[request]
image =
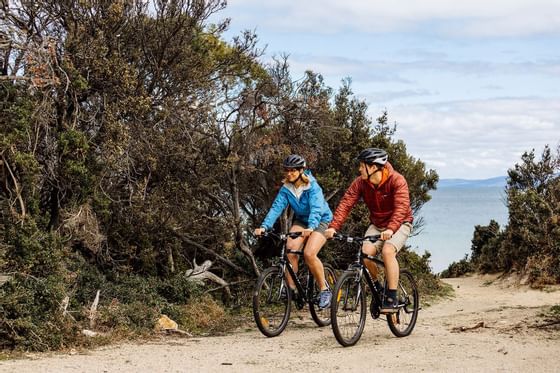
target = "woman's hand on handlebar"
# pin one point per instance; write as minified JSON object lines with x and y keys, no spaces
{"x":259,"y":231}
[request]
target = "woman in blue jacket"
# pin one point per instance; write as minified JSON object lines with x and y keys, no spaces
{"x":311,"y":217}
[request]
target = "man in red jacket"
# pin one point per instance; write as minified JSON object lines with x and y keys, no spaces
{"x":386,"y":195}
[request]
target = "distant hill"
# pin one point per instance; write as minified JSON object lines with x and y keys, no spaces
{"x":498,"y":181}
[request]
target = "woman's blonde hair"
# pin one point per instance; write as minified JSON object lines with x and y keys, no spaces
{"x":303,"y":176}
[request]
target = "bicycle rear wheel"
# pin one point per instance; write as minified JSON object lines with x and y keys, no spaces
{"x":322,"y":317}
{"x":271,"y":310}
{"x":402,"y":323}
{"x":348,"y":308}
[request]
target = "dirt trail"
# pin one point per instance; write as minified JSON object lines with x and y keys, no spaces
{"x":508,"y":342}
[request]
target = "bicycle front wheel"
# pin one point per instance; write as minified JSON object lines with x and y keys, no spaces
{"x":402,"y":323}
{"x":322,"y":317}
{"x":271,"y":306}
{"x":348,"y":308}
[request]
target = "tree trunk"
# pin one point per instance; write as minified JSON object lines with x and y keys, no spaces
{"x":170,"y":260}
{"x":241,"y":243}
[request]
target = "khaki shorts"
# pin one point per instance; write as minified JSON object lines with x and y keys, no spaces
{"x":321,"y":228}
{"x":398,"y":239}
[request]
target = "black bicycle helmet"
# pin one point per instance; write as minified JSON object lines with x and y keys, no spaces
{"x":373,"y":155}
{"x":294,"y":161}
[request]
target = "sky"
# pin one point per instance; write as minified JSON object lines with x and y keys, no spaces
{"x":471,"y":85}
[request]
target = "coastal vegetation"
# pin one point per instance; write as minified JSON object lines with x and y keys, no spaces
{"x":529,"y":244}
{"x":136,"y":145}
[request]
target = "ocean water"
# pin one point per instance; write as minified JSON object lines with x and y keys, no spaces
{"x":449,"y":221}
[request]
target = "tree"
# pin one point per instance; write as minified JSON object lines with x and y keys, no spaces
{"x":532,"y":237}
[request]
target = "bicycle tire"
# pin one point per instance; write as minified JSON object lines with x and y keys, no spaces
{"x":270,"y":310}
{"x":402,"y":323}
{"x":348,"y":308}
{"x":322,"y":317}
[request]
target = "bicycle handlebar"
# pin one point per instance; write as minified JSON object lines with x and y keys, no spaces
{"x":283,"y":236}
{"x":346,"y":238}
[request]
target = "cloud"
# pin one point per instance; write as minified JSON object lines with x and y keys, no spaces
{"x":364,"y":70}
{"x":387,"y":96}
{"x":479,"y":138}
{"x":475,"y":18}
{"x":341,"y":67}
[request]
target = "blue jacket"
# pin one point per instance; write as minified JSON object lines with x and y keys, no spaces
{"x":310,"y":208}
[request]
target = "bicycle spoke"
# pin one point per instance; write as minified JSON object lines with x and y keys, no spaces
{"x":403,"y":322}
{"x":270,"y":309}
{"x":348,"y":311}
{"x":322,"y":317}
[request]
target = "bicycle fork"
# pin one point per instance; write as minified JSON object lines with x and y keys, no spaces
{"x":352,"y":304}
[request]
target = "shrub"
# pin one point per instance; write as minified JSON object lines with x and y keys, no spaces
{"x":458,"y":269}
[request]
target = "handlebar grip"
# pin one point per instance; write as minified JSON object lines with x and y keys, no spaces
{"x":294,"y":234}
{"x":373,"y":239}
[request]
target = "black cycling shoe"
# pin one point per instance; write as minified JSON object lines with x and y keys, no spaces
{"x":389,"y":305}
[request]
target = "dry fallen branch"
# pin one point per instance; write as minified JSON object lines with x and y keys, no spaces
{"x":547,"y":323}
{"x":458,"y":329}
{"x":201,"y":273}
{"x":93,"y":311}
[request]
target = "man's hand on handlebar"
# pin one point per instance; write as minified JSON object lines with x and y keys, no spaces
{"x":386,"y":234}
{"x":330,"y":232}
{"x":259,"y":231}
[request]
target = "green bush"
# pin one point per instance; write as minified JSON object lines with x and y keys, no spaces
{"x":31,"y":317}
{"x":428,"y":283}
{"x":458,"y":269}
{"x":530,"y":242}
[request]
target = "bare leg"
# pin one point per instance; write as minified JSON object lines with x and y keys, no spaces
{"x":314,"y":244}
{"x":389,"y":254}
{"x":295,"y":244}
{"x":370,"y":249}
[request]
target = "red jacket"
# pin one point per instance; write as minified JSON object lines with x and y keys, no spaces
{"x":388,"y":203}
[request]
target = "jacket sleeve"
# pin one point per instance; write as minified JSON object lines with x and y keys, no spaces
{"x":348,"y":201}
{"x":279,"y":204}
{"x":402,"y":204}
{"x":317,"y":201}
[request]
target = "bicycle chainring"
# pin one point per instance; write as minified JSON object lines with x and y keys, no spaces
{"x":298,"y":300}
{"x":374,"y":308}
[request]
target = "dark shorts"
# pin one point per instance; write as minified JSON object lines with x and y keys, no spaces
{"x":321,"y":228}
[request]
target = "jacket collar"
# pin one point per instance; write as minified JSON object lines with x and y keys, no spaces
{"x":388,"y":171}
{"x":291,"y":187}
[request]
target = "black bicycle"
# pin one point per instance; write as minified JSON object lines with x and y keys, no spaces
{"x":348,"y":308}
{"x":272,"y":297}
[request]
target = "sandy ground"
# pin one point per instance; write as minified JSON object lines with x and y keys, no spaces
{"x":508,"y":342}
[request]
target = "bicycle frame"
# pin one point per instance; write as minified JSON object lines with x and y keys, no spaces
{"x":271,"y":309}
{"x":286,"y":268}
{"x":359,"y":264}
{"x":348,"y":311}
